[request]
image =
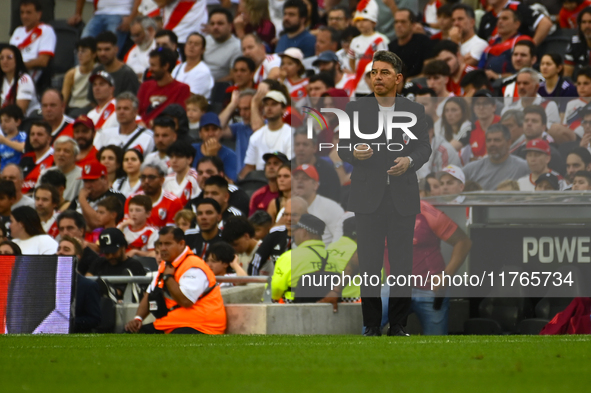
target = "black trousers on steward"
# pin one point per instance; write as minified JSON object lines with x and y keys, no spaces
{"x":150,"y":329}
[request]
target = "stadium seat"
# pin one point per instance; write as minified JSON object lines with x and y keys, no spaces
{"x":149,"y":263}
{"x":65,"y":49}
{"x":531,"y":326}
{"x":252,"y":182}
{"x":554,"y":44}
{"x":482,"y":326}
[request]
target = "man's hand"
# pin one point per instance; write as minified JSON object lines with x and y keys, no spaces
{"x":133,"y":326}
{"x":211,"y":147}
{"x":83,"y":195}
{"x":492,"y":75}
{"x":262,"y":91}
{"x":74,"y":19}
{"x":402,"y":164}
{"x":235,"y":97}
{"x":125,"y":24}
{"x":363,"y":154}
{"x":585,"y":140}
{"x":169,"y":269}
{"x":455,"y":34}
{"x":333,"y":298}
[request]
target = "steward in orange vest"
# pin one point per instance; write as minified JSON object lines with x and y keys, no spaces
{"x":184,"y":297}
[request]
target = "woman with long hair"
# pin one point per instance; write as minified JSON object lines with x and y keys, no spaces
{"x":554,"y":85}
{"x":253,"y":17}
{"x":111,"y":157}
{"x":9,"y":248}
{"x":17,"y":85}
{"x":130,"y":182}
{"x":455,"y":124}
{"x":194,"y":72}
{"x":27,"y":232}
{"x":277,"y":205}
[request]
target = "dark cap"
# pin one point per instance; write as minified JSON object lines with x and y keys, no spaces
{"x":111,"y":240}
{"x":277,"y":154}
{"x":103,"y":74}
{"x":209,"y":118}
{"x":326,"y":56}
{"x":311,"y":224}
{"x":550,"y":178}
{"x":483,"y":93}
{"x":85,"y":121}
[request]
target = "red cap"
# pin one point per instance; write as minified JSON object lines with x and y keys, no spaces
{"x":308,"y":170}
{"x":538,"y":145}
{"x":93,"y":171}
{"x":84,"y":120}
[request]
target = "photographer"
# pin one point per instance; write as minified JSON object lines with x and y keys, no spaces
{"x":184,"y":297}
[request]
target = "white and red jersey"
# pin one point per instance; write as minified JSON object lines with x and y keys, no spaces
{"x":184,"y":17}
{"x":571,"y":108}
{"x":361,"y":50}
{"x":50,"y":226}
{"x":297,"y":90}
{"x":104,"y":117}
{"x":270,"y":62}
{"x":32,"y":168}
{"x":185,"y":190}
{"x":139,"y":59}
{"x":144,"y":141}
{"x":148,"y":8}
{"x":454,"y":86}
{"x":25,"y":90}
{"x":40,"y":40}
{"x":142,"y":239}
{"x":163,"y":211}
{"x":347,"y":83}
{"x":113,"y":7}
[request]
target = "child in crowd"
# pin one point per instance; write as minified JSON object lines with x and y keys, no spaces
{"x":262,"y":223}
{"x":183,"y":181}
{"x":185,"y":219}
{"x":110,"y":212}
{"x":224,"y":262}
{"x":139,"y":235}
{"x":196,"y":105}
{"x":12,"y":143}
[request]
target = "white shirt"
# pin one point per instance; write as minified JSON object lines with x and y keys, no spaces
{"x":122,"y":185}
{"x":184,"y":20}
{"x":113,"y":7}
{"x":332,"y":214}
{"x":262,"y":72}
{"x":358,"y":48}
{"x":37,"y":245}
{"x":185,"y":190}
{"x":265,"y":141}
{"x":198,"y":78}
{"x":142,"y":239}
{"x":154,"y":158}
{"x":25,"y":90}
{"x":111,"y":136}
{"x":552,"y":114}
{"x":138,"y":59}
{"x":474,"y":47}
{"x":106,"y":116}
{"x":571,"y":107}
{"x":40,"y":40}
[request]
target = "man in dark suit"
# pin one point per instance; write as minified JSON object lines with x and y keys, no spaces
{"x":385,"y":191}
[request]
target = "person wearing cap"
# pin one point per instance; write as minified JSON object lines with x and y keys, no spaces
{"x":191,"y":294}
{"x":537,"y":155}
{"x":273,"y":136}
{"x":194,"y":71}
{"x":114,"y":261}
{"x":292,"y":73}
{"x":547,"y":182}
{"x":103,"y":114}
{"x":210,"y":132}
{"x":66,"y":151}
{"x":305,"y":259}
{"x":452,"y":180}
{"x":366,"y":44}
{"x":95,"y":189}
{"x":53,"y":109}
{"x":261,"y":198}
{"x":305,"y":184}
{"x":413,"y":48}
{"x":328,"y":62}
{"x":84,"y":134}
{"x":295,"y":16}
{"x":485,"y":110}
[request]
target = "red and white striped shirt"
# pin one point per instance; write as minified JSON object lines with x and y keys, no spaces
{"x":270,"y":62}
{"x":184,"y":17}
{"x":104,"y":117}
{"x":298,"y":90}
{"x":40,"y":40}
{"x":348,"y":84}
{"x":185,"y":190}
{"x":163,"y":211}
{"x":50,"y":226}
{"x":142,"y":239}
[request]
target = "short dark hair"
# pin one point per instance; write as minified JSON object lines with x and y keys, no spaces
{"x":209,"y":201}
{"x":476,"y":78}
{"x":335,"y":36}
{"x":235,"y":228}
{"x":87,"y":42}
{"x":341,"y":8}
{"x":43,"y":124}
{"x":224,"y":11}
{"x":299,"y":4}
{"x":516,"y":16}
{"x":16,"y":250}
{"x":249,"y":62}
{"x":181,"y":149}
{"x":529,"y":44}
{"x":177,"y":233}
{"x":13,"y":111}
{"x":323,"y":77}
{"x":498,"y":127}
{"x":349,"y":33}
{"x":436,"y":67}
{"x":467,"y":9}
{"x":215,"y":161}
{"x":143,"y":201}
{"x":425,"y":91}
{"x":585,"y":71}
{"x":168,"y":33}
{"x":29,"y":218}
{"x":260,"y":217}
{"x":538,"y":110}
{"x":113,"y":205}
{"x":218,"y":181}
{"x":165,"y":56}
{"x":586,"y":10}
{"x":583,"y":154}
{"x":54,"y":178}
{"x":164,"y":121}
{"x":55,"y":196}
{"x":585,"y":174}
{"x":445,"y":10}
{"x":106,"y":37}
{"x":446,"y":45}
{"x":411,"y":15}
{"x":7,"y":189}
{"x":35,"y":3}
{"x":78,"y":218}
{"x":222,"y":252}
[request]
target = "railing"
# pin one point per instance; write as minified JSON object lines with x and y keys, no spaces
{"x":148,"y":279}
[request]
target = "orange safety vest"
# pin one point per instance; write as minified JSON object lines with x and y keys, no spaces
{"x":207,"y":314}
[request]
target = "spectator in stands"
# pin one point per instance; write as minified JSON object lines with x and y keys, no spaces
{"x":111,"y":157}
{"x":474,"y":81}
{"x":194,"y":72}
{"x":582,"y":181}
{"x":76,"y":81}
{"x":12,"y":142}
{"x":318,"y":85}
{"x":47,"y":200}
{"x":449,"y":52}
{"x":547,"y":182}
{"x":7,"y":199}
{"x":274,"y":136}
{"x":240,"y":131}
{"x":438,"y":73}
{"x":513,"y":120}
{"x":267,"y":65}
{"x":554,"y":84}
{"x":216,"y":187}
{"x":10,"y":248}
{"x":497,"y":55}
{"x":65,"y":152}
{"x":208,"y":215}
{"x":444,"y":22}
{"x":14,"y":173}
{"x":84,"y":134}
{"x":534,"y":127}
{"x":210,"y":132}
{"x":156,"y":94}
{"x":129,"y":135}
{"x":455,"y":124}
{"x":523,"y":56}
{"x":110,"y":212}
{"x":327,"y":40}
{"x":484,"y":106}
{"x":537,"y":155}
{"x":253,"y":17}
{"x":130,"y":182}
{"x":295,"y":15}
{"x":167,"y":39}
{"x":579,"y":159}
{"x":430,"y":186}
{"x":328,"y":63}
{"x":243,"y":74}
{"x":184,"y":219}
{"x":142,"y":31}
{"x":239,"y":233}
{"x":338,"y":18}
{"x":262,"y":221}
{"x":275,"y":209}
{"x":191,"y":285}
{"x":534,"y":23}
{"x":499,"y":164}
{"x":96,"y":188}
{"x":164,"y":136}
{"x":508,"y":185}
{"x":577,"y":55}
{"x":40,"y":156}
{"x":463,"y":34}
{"x":569,"y":13}
{"x":305,"y":185}
{"x":183,"y":19}
{"x":261,"y":198}
{"x":18,"y":88}
{"x":35,"y":39}
{"x":182,"y":182}
{"x":53,"y":109}
{"x":164,"y":204}
{"x":196,"y":106}
{"x":452,"y":180}
{"x":124,"y":77}
{"x":72,"y":223}
{"x":104,"y":114}
{"x":578,"y":106}
{"x":412,"y":48}
{"x":293,"y":73}
{"x":223,"y":262}
{"x":222,"y":48}
{"x":139,"y":235}
{"x":28,"y":234}
{"x":443,"y":154}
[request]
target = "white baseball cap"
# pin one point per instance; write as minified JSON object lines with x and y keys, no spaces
{"x":276,"y":96}
{"x":294,"y":53}
{"x":454,"y":171}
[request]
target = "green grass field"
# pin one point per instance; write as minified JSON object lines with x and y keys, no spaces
{"x":134,"y":363}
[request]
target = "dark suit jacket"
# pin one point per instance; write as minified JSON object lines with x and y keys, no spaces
{"x":369,"y":177}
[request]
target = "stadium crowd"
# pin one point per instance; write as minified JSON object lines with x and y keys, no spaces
{"x":188,"y":114}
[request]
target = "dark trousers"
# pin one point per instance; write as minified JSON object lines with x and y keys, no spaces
{"x":150,"y":329}
{"x":372,"y":231}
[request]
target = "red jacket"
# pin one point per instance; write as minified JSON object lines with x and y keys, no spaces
{"x":575,"y":319}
